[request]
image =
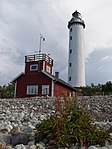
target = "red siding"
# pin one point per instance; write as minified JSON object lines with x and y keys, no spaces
{"x":27,"y":66}
{"x":61,"y":90}
{"x":32,"y":79}
{"x":40,"y":65}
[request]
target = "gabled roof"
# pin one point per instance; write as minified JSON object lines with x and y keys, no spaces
{"x":48,"y":74}
{"x":65,"y":83}
{"x":18,"y":76}
{"x":58,"y":80}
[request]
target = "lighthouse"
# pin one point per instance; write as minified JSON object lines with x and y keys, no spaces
{"x":76,"y":60}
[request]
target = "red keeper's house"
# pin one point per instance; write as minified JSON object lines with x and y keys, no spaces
{"x":37,"y":80}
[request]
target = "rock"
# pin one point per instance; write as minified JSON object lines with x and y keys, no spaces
{"x":32,"y":147}
{"x":31,"y":136}
{"x":103,"y":148}
{"x":7,"y":138}
{"x":8,"y":147}
{"x":30,"y":128}
{"x":8,"y":128}
{"x":21,"y":115}
{"x":40,"y":146}
{"x":12,"y":118}
{"x":20,"y":138}
{"x":110,"y":147}
{"x":31,"y":143}
{"x":42,"y":117}
{"x":15,"y":130}
{"x":2,"y":145}
{"x":20,"y":146}
{"x":92,"y":147}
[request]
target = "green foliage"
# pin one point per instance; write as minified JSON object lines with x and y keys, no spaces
{"x":74,"y":126}
{"x":7,"y":91}
{"x":100,"y":89}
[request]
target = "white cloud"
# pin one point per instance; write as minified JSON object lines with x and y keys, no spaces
{"x":106,"y":58}
{"x":21,"y":21}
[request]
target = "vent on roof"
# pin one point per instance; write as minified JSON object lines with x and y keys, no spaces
{"x":57,"y":74}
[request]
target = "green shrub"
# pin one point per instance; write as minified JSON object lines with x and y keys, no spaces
{"x":73,"y":126}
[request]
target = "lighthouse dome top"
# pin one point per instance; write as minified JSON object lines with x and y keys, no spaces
{"x":76,"y":19}
{"x":76,"y":14}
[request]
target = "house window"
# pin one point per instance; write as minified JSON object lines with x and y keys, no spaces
{"x":70,"y":50}
{"x":71,"y":30}
{"x":70,"y":37}
{"x":45,"y":89}
{"x":69,"y":78}
{"x":34,"y":67}
{"x":70,"y":64}
{"x":32,"y":89}
{"x":48,"y":69}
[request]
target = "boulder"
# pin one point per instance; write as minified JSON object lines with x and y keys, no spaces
{"x":2,"y":145}
{"x":7,"y":138}
{"x":40,"y":146}
{"x":15,"y":130}
{"x":20,"y":146}
{"x":8,"y":147}
{"x":30,"y":128}
{"x":20,"y":138}
{"x":92,"y":147}
{"x":32,"y":147}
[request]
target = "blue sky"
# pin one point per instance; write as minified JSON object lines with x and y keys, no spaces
{"x":22,"y":21}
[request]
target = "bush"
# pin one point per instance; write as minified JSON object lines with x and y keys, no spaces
{"x":73,"y":126}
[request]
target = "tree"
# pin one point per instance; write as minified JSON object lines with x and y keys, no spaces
{"x":100,"y":89}
{"x":7,"y":91}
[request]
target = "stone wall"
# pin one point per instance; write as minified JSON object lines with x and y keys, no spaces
{"x":99,"y":107}
{"x":18,"y":118}
{"x":30,"y":111}
{"x":25,"y":111}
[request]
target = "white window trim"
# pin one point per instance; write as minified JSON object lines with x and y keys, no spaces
{"x":52,"y":92}
{"x":31,"y":90}
{"x":33,"y":65}
{"x":48,"y":69}
{"x":44,"y":88}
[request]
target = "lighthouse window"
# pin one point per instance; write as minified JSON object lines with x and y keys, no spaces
{"x":69,"y":78}
{"x":70,"y":37}
{"x":70,"y":50}
{"x":71,"y":30}
{"x":70,"y":64}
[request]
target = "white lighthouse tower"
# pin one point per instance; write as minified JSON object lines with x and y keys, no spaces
{"x":76,"y":65}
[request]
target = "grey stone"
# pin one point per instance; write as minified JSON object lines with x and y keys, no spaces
{"x":102,"y":148}
{"x":92,"y":147}
{"x":15,"y":130}
{"x":8,"y":147}
{"x":7,"y":138}
{"x":32,"y":147}
{"x":20,"y":146}
{"x":20,"y":138}
{"x":26,"y":112}
{"x":2,"y":145}
{"x":40,"y":146}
